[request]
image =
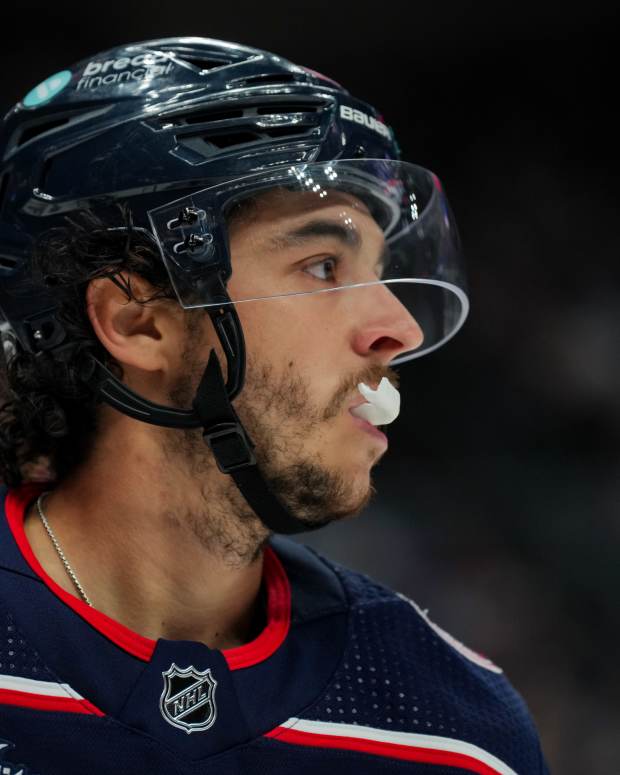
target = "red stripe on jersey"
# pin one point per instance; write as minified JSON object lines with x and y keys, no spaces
{"x":278,"y":617}
{"x":17,"y":501}
{"x":46,"y":702}
{"x":262,"y":647}
{"x":378,"y":748}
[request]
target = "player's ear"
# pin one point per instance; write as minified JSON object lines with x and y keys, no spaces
{"x":144,"y":334}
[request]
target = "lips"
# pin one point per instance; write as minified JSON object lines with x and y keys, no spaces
{"x":369,"y":428}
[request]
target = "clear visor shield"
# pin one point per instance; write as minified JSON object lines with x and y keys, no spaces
{"x":374,"y":239}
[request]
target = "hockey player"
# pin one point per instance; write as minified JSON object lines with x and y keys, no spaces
{"x":212,"y":259}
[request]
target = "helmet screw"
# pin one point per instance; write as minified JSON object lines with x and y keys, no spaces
{"x":194,"y":242}
{"x":188,"y":215}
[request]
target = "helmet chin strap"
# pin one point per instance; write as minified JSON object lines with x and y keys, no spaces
{"x":212,"y":410}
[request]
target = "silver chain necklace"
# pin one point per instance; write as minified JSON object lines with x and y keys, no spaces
{"x":59,"y":551}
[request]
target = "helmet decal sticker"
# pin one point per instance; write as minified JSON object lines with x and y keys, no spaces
{"x":47,"y":89}
{"x":359,"y":117}
{"x":142,"y":67}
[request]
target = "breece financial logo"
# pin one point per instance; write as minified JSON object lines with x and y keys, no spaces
{"x":49,"y":88}
{"x":107,"y":72}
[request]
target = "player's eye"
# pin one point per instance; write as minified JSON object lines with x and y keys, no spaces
{"x":325,"y":269}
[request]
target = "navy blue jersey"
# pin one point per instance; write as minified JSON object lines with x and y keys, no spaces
{"x":346,"y":677}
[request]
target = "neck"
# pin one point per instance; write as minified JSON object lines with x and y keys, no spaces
{"x":167,"y":554}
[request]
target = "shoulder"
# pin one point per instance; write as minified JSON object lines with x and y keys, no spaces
{"x":395,"y":611}
{"x":323,"y":584}
{"x":405,"y":681}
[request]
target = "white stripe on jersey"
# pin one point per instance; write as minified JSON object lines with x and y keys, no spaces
{"x":412,"y":739}
{"x":16,"y":683}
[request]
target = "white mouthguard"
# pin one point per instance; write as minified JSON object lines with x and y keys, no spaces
{"x":383,"y":403}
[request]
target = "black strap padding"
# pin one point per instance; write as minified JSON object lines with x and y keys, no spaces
{"x":233,"y":452}
{"x":264,"y":503}
{"x":123,"y":398}
{"x":212,"y":410}
{"x":222,"y":430}
{"x":228,"y":328}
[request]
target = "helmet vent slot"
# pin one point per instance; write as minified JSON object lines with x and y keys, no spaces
{"x":215,"y":115}
{"x":246,"y":110}
{"x":205,"y":143}
{"x":290,"y":107}
{"x":232,"y":138}
{"x":8,"y":262}
{"x":34,"y":130}
{"x":286,"y":131}
{"x":45,"y":171}
{"x":267,"y":78}
{"x":202,"y":63}
{"x":4,"y":187}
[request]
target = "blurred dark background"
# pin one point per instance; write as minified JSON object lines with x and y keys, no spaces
{"x":498,"y":505}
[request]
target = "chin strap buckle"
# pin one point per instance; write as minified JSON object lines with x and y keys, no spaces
{"x":230,"y":445}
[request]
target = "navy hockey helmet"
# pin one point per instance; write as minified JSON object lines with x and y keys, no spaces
{"x":178,"y":129}
{"x":146,"y":122}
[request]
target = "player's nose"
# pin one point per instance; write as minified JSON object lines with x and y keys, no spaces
{"x":386,"y":326}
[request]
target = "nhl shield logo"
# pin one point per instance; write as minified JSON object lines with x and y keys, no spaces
{"x":188,"y":698}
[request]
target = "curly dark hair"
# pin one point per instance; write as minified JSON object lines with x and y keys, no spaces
{"x":49,"y":419}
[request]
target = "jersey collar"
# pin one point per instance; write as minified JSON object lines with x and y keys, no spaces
{"x":263,"y":646}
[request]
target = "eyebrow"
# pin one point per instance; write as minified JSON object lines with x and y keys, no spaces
{"x":313,"y":229}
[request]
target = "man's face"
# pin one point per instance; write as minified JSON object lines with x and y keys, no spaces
{"x":307,"y":353}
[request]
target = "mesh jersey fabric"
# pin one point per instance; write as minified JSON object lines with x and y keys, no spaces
{"x":363,"y":682}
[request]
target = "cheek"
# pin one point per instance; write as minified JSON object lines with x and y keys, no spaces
{"x":288,"y":329}
{"x":299,"y":339}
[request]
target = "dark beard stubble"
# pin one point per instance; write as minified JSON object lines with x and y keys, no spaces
{"x":278,"y":415}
